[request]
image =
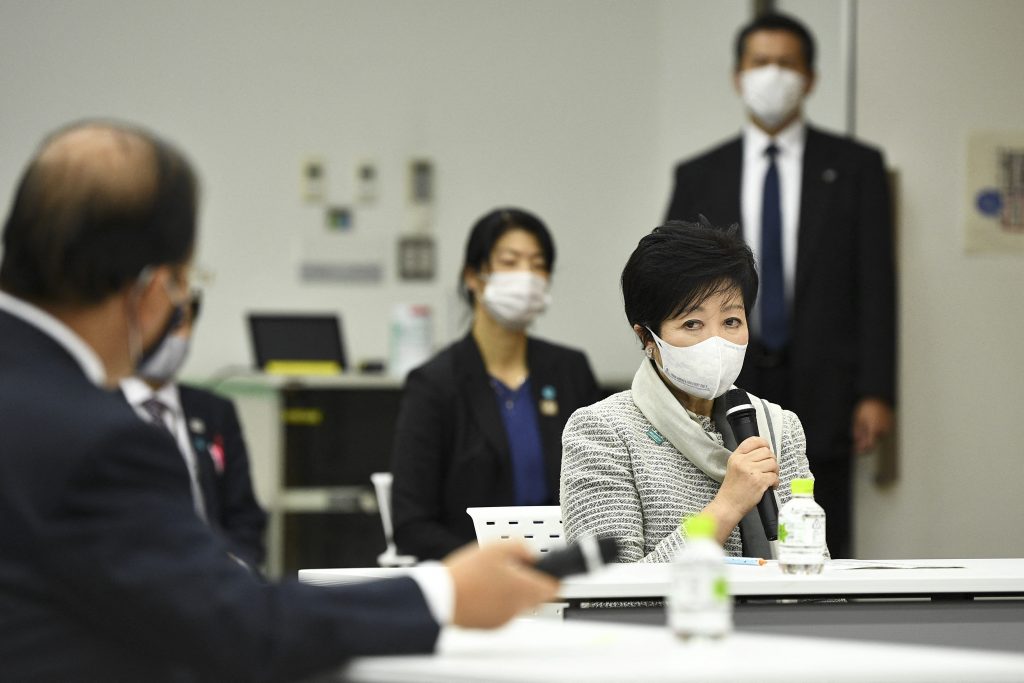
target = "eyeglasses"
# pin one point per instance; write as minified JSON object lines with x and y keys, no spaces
{"x":186,"y":283}
{"x":199,"y":277}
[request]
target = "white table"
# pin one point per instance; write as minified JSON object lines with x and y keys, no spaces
{"x":973,"y":577}
{"x":980,"y":605}
{"x":543,"y":650}
{"x":928,"y":578}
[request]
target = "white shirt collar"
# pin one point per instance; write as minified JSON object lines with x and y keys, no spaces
{"x":137,"y":392}
{"x":83,"y":354}
{"x":789,"y":140}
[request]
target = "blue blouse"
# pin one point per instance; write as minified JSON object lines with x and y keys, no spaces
{"x":519,"y":413}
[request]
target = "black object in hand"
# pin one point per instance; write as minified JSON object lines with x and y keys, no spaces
{"x":743,"y":419}
{"x":584,"y":556}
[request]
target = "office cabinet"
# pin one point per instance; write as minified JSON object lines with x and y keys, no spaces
{"x":314,"y":441}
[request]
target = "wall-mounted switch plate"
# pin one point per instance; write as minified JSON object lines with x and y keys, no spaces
{"x":416,"y":258}
{"x":366,"y":182}
{"x":314,"y":180}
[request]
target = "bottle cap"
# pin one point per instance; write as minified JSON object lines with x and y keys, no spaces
{"x":700,"y":526}
{"x":802,"y":487}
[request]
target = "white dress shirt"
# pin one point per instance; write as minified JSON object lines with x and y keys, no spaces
{"x":92,"y":366}
{"x":789,"y":161}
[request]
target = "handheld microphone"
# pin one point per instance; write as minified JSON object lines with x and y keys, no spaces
{"x":587,"y":555}
{"x":743,"y":419}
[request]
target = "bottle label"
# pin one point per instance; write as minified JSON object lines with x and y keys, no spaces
{"x":802,"y":531}
{"x":699,"y":603}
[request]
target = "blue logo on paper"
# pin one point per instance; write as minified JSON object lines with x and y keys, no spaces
{"x":989,"y":202}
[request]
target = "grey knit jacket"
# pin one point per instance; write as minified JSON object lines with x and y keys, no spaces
{"x":618,"y":480}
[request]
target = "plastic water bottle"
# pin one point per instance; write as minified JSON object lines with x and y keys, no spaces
{"x":699,"y":604}
{"x":801,"y":531}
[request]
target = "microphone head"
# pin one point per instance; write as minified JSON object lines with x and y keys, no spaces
{"x":736,"y":398}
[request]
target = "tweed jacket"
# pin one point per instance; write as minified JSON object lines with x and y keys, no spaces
{"x":621,"y":478}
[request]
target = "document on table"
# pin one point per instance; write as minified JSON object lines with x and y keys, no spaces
{"x":842,"y":565}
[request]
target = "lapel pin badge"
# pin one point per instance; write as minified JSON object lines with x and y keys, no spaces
{"x":548,"y":401}
{"x":829,"y":175}
{"x":196,"y":426}
{"x":217,"y":453}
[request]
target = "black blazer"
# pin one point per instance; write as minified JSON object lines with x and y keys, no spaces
{"x":223,"y":466}
{"x":843,"y":332}
{"x":451,"y":451}
{"x":107,"y":574}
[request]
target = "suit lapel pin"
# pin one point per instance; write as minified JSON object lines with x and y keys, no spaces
{"x":548,"y":401}
{"x":196,"y":426}
{"x":829,"y":175}
{"x":217,"y":453}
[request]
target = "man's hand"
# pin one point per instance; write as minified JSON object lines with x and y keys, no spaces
{"x":495,"y":583}
{"x":872,"y":421}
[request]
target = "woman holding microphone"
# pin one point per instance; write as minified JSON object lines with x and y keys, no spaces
{"x":636,"y":463}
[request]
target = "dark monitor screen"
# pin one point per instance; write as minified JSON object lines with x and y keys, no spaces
{"x":305,"y":337}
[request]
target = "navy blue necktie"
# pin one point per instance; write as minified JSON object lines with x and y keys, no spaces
{"x":774,"y":332}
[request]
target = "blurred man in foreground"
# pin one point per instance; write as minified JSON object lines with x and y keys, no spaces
{"x":106,"y":572}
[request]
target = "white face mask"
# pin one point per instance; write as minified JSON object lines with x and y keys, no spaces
{"x":706,"y":369}
{"x":514,"y":298}
{"x":772,"y":93}
{"x":163,"y":364}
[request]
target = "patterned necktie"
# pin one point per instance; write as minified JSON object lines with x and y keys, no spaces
{"x":774,"y":327}
{"x":157,"y":411}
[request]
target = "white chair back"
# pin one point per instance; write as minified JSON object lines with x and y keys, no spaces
{"x":540,"y":526}
{"x":390,"y":557}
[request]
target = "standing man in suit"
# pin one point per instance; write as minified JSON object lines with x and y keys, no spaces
{"x":815,"y":209}
{"x":106,"y":572}
{"x":209,"y":438}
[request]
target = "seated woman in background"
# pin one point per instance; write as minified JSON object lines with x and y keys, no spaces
{"x":637,"y":462}
{"x":480,"y":424}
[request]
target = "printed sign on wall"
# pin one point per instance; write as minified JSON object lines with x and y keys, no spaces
{"x":995,"y":186}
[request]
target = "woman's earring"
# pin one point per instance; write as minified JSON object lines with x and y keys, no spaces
{"x":649,"y":351}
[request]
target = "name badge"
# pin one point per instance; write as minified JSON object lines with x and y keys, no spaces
{"x":548,"y":401}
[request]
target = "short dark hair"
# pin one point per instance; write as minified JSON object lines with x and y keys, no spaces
{"x":680,"y":265}
{"x":77,"y":233}
{"x":777,"y":22}
{"x":488,"y":230}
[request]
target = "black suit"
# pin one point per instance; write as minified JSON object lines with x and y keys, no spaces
{"x":222,"y":461}
{"x":106,"y":572}
{"x":842,"y":321}
{"x":451,"y":451}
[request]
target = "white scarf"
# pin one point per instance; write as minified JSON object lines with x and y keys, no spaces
{"x":662,"y":410}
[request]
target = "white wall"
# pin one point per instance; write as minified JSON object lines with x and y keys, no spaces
{"x":931,"y":72}
{"x":545,"y":105}
{"x":576,"y":109}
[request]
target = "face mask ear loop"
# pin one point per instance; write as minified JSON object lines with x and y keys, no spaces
{"x":650,"y":350}
{"x":134,"y":298}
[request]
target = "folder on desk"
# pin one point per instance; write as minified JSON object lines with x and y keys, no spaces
{"x":297,"y":344}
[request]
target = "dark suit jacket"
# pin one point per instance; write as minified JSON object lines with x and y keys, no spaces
{"x":107,"y":574}
{"x":843,"y":330}
{"x":451,"y":451}
{"x":223,"y":465}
